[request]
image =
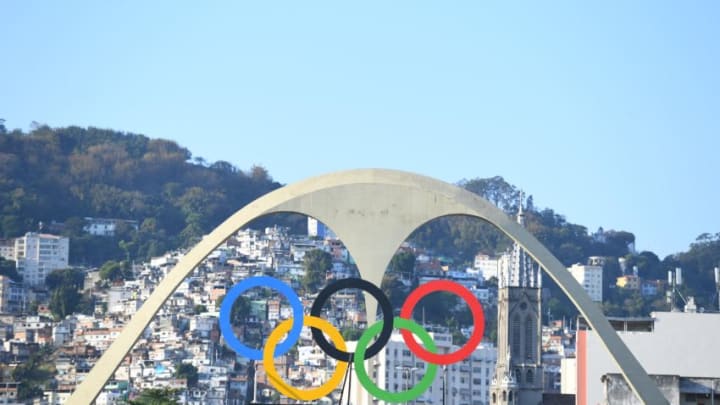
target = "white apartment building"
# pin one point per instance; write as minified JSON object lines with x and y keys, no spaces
{"x":591,"y":278}
{"x":396,"y":368}
{"x":488,"y":266}
{"x":7,"y":249}
{"x":106,"y":226}
{"x":318,"y":229}
{"x":38,"y":254}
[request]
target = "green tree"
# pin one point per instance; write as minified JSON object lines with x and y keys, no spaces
{"x":394,"y":289}
{"x":34,"y":373}
{"x":74,"y":227}
{"x":33,"y":307}
{"x":7,"y":268}
{"x":351,"y":334}
{"x":403,"y":263}
{"x":64,"y":296}
{"x":316,"y":264}
{"x":114,"y":271}
{"x":611,"y":271}
{"x":187,"y":371}
{"x":436,"y":307}
{"x":617,"y":243}
{"x":64,"y":300}
{"x":240,"y":309}
{"x":70,"y":277}
{"x":496,"y":190}
{"x":156,"y":396}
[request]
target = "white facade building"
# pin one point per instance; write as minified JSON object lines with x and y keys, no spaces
{"x":106,"y":226}
{"x":318,"y":229}
{"x":591,"y":278}
{"x":488,"y":266}
{"x":38,"y":254}
{"x":7,"y":249}
{"x":396,"y":368}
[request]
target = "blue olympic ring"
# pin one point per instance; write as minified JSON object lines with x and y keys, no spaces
{"x":261,"y":281}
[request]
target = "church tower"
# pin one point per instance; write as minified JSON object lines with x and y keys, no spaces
{"x":518,"y":376}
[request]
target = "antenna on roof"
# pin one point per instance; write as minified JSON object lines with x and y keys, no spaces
{"x":717,"y":284}
{"x":674,"y":280}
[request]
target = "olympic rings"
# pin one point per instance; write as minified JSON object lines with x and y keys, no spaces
{"x":427,"y":351}
{"x":282,"y":386}
{"x":475,"y":309}
{"x":241,"y":287}
{"x":365,"y":381}
{"x":360,"y":284}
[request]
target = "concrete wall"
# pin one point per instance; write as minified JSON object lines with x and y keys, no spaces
{"x":618,"y":391}
{"x":683,"y":344}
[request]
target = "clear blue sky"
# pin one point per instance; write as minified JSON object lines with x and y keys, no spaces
{"x":609,"y":113}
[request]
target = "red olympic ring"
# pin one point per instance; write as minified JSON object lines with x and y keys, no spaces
{"x":475,"y":308}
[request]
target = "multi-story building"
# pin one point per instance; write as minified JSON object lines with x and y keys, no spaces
{"x":318,"y":229}
{"x":106,"y":226}
{"x":7,"y":249}
{"x":649,"y":288}
{"x":590,"y":277}
{"x":488,"y":266}
{"x":9,"y":393}
{"x":678,"y":345}
{"x":396,"y":368}
{"x":38,"y":254}
{"x":629,"y":281}
{"x":13,"y":296}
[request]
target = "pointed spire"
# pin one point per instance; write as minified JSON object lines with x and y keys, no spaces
{"x":521,"y":214}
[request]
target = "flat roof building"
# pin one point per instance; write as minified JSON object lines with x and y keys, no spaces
{"x":679,"y":344}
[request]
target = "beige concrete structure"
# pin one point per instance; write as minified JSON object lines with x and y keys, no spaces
{"x":666,"y":344}
{"x":373,"y":212}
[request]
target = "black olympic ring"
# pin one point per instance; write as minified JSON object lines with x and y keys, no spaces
{"x":368,"y":287}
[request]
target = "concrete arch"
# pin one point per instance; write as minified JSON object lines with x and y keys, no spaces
{"x":373,"y":211}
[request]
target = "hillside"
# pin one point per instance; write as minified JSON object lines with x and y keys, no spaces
{"x":61,"y":175}
{"x":58,"y":176}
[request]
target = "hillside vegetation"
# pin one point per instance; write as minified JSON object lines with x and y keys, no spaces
{"x":61,"y":175}
{"x":66,"y":174}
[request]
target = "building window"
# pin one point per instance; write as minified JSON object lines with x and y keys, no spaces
{"x":516,"y":336}
{"x":529,"y":338}
{"x":529,"y":377}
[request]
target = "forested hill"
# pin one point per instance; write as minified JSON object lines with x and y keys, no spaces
{"x":66,"y":174}
{"x":62,"y":175}
{"x":461,"y":238}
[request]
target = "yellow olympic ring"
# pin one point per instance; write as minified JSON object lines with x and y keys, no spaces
{"x":282,"y":386}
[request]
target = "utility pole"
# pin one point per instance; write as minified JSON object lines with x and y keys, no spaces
{"x":254,"y":366}
{"x":444,"y":384}
{"x":717,"y":286}
{"x":408,"y":375}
